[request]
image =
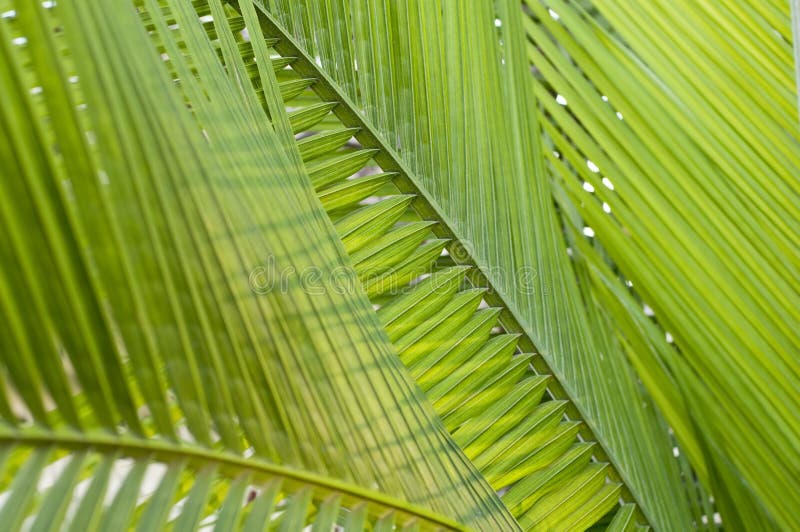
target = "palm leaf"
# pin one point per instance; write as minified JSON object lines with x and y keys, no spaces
{"x":455,"y":136}
{"x":702,"y":218}
{"x":133,"y":324}
{"x":450,"y":141}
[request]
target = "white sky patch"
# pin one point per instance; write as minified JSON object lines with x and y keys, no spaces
{"x":619,"y":115}
{"x":604,"y":97}
{"x":608,"y":184}
{"x":560,"y":100}
{"x":36,"y":90}
{"x":8,"y":14}
{"x":606,"y":208}
{"x":48,"y":4}
{"x":588,"y":231}
{"x":553,"y":14}
{"x":591,"y":166}
{"x":498,"y":23}
{"x":648,"y":311}
{"x":557,"y":155}
{"x":668,"y":338}
{"x":19,"y":41}
{"x":588,"y":187}
{"x":676,"y":452}
{"x":629,"y":284}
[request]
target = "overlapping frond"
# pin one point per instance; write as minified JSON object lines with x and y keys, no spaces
{"x":185,"y":337}
{"x":145,"y":200}
{"x":456,"y":112}
{"x":80,"y":481}
{"x":496,"y":408}
{"x":675,"y":138}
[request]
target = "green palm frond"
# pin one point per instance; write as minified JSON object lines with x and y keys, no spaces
{"x":97,"y":481}
{"x":471,"y":213}
{"x":693,"y":194}
{"x":476,"y":381}
{"x":134,"y":325}
{"x":353,"y":264}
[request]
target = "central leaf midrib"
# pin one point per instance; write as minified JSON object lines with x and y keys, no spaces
{"x":428,"y":208}
{"x":166,"y":450}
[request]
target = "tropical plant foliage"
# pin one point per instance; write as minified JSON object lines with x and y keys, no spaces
{"x":129,"y":254}
{"x":377,"y":265}
{"x":703,"y":220}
